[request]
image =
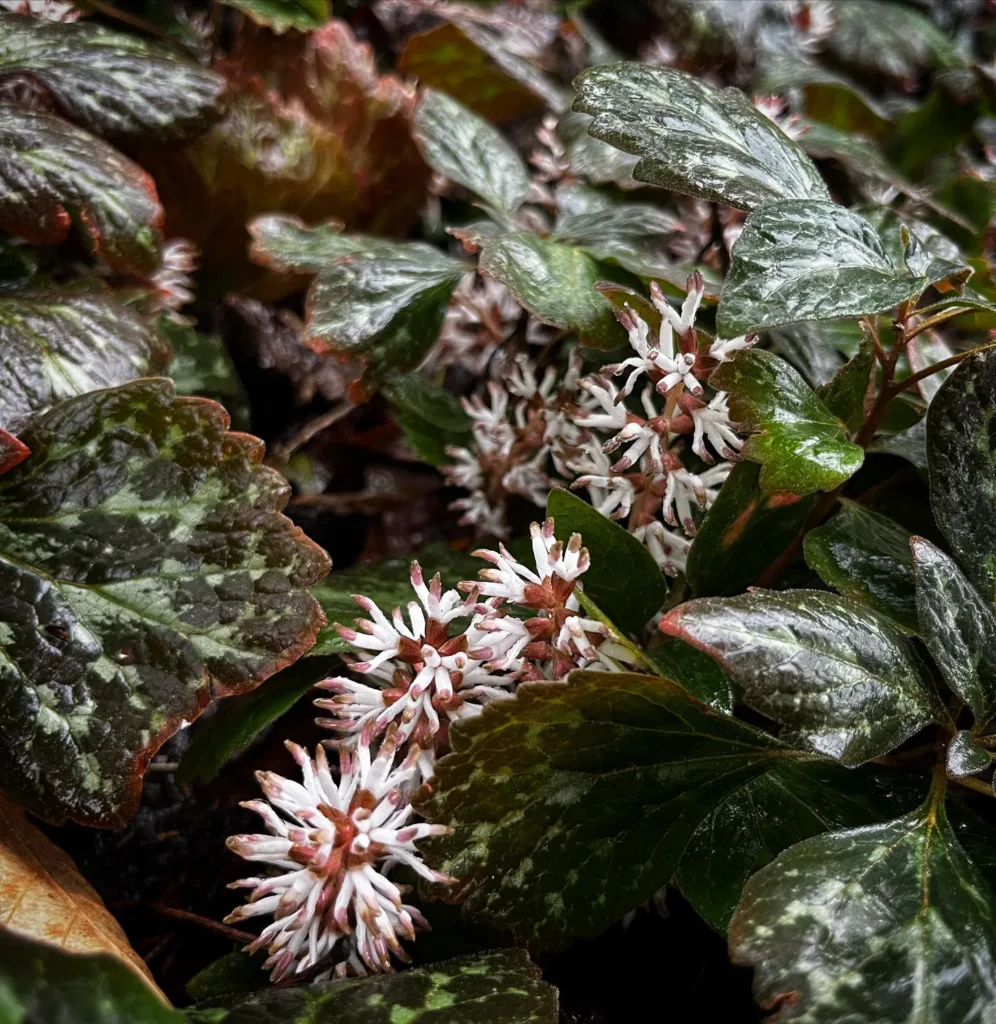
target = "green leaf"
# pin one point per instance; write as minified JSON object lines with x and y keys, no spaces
{"x":239,"y":720}
{"x":556,"y":283}
{"x":430,"y":416}
{"x":801,"y":445}
{"x":792,"y":802}
{"x":466,"y":149}
{"x":387,"y":309}
{"x":202,"y":366}
{"x":962,"y":463}
{"x":845,"y":394}
{"x":144,"y":569}
{"x":958,"y":627}
{"x":487,"y":988}
{"x":573,"y":803}
{"x":816,"y":350}
{"x":623,"y":580}
{"x":54,"y":175}
{"x":908,"y":444}
{"x":743,"y":531}
{"x":882,"y":924}
{"x":866,"y":556}
{"x":113,"y":83}
{"x":41,"y":984}
{"x":813,"y":260}
{"x":694,"y":671}
{"x":281,"y":15}
{"x":840,"y":678}
{"x":387,"y":581}
{"x":284,"y":243}
{"x":964,"y":757}
{"x":590,"y":217}
{"x":56,"y":344}
{"x":589,"y":158}
{"x":694,"y":138}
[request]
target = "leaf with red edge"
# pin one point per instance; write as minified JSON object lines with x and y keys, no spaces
{"x":54,"y":175}
{"x":12,"y":451}
{"x":313,"y":130}
{"x":145,"y":568}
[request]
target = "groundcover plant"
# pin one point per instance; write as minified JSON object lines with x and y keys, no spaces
{"x":497,"y":511}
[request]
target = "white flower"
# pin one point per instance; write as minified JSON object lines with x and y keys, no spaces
{"x":683,"y":490}
{"x":465,"y":470}
{"x":481,"y":315}
{"x":641,"y":437}
{"x":172,"y":281}
{"x":476,"y":510}
{"x":685,"y":321}
{"x":530,"y":479}
{"x":492,"y":432}
{"x":604,"y":395}
{"x":712,"y":424}
{"x":721,"y":350}
{"x":673,"y":368}
{"x":521,"y":380}
{"x":669,"y":550}
{"x":332,"y":844}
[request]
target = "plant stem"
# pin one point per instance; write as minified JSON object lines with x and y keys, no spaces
{"x":908,"y":382}
{"x":976,"y":785}
{"x":933,"y":321}
{"x":283,"y":452}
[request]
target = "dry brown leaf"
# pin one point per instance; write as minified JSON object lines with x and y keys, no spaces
{"x":43,"y":896}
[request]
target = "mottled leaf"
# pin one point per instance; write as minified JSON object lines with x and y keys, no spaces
{"x":744,"y":530}
{"x":624,"y":580}
{"x":556,"y":283}
{"x":54,"y":175}
{"x":281,"y":15}
{"x":113,"y":83}
{"x":793,"y":801}
{"x":885,"y":924}
{"x":387,"y":309}
{"x":466,"y":149}
{"x":56,"y":344}
{"x":962,"y":463}
{"x":964,"y":757}
{"x":694,"y":138}
{"x":958,"y":627}
{"x":588,"y":216}
{"x":801,"y":445}
{"x":813,"y":260}
{"x":43,"y":896}
{"x":501,"y":986}
{"x":144,"y":569}
{"x":866,"y":556}
{"x":40,"y":984}
{"x":841,"y":678}
{"x":573,"y":803}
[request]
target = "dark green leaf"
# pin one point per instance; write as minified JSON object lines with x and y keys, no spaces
{"x":879,"y":925}
{"x":908,"y":444}
{"x":694,"y":138}
{"x":56,"y":344}
{"x":388,"y":309}
{"x":281,"y":15}
{"x":693,"y":670}
{"x":230,"y":975}
{"x":573,"y":803}
{"x":431,"y":417}
{"x":962,"y":463}
{"x":813,"y":260}
{"x":815,"y":349}
{"x":964,"y":757}
{"x":556,"y":283}
{"x":588,"y":216}
{"x":284,"y":243}
{"x":202,"y":366}
{"x":501,"y":987}
{"x":238,"y":721}
{"x":743,"y":531}
{"x":110,"y":82}
{"x":845,"y":394}
{"x":801,"y":445}
{"x":793,"y":801}
{"x":589,"y":158}
{"x":144,"y":569}
{"x":466,"y":149}
{"x":958,"y":627}
{"x":41,"y":984}
{"x":54,"y":175}
{"x":840,"y":678}
{"x":624,"y":580}
{"x":866,"y":556}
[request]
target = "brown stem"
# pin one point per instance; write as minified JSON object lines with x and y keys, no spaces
{"x":933,"y":321}
{"x":283,"y":452}
{"x":976,"y":785}
{"x":235,"y":934}
{"x":908,"y":382}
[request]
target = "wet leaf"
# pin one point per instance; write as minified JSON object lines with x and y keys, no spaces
{"x":958,"y":627}
{"x":694,"y":138}
{"x":887,"y":923}
{"x":964,"y":757}
{"x":845,"y":394}
{"x":840,"y":678}
{"x":145,"y":569}
{"x":801,"y":445}
{"x":56,"y":344}
{"x":623,"y":580}
{"x":866,"y":556}
{"x":486,"y":988}
{"x":466,"y":149}
{"x":281,"y":15}
{"x":607,"y":774}
{"x":962,"y":466}
{"x":693,"y":671}
{"x":113,"y":83}
{"x":813,"y":260}
{"x":39,"y":984}
{"x":43,"y":896}
{"x":54,"y":175}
